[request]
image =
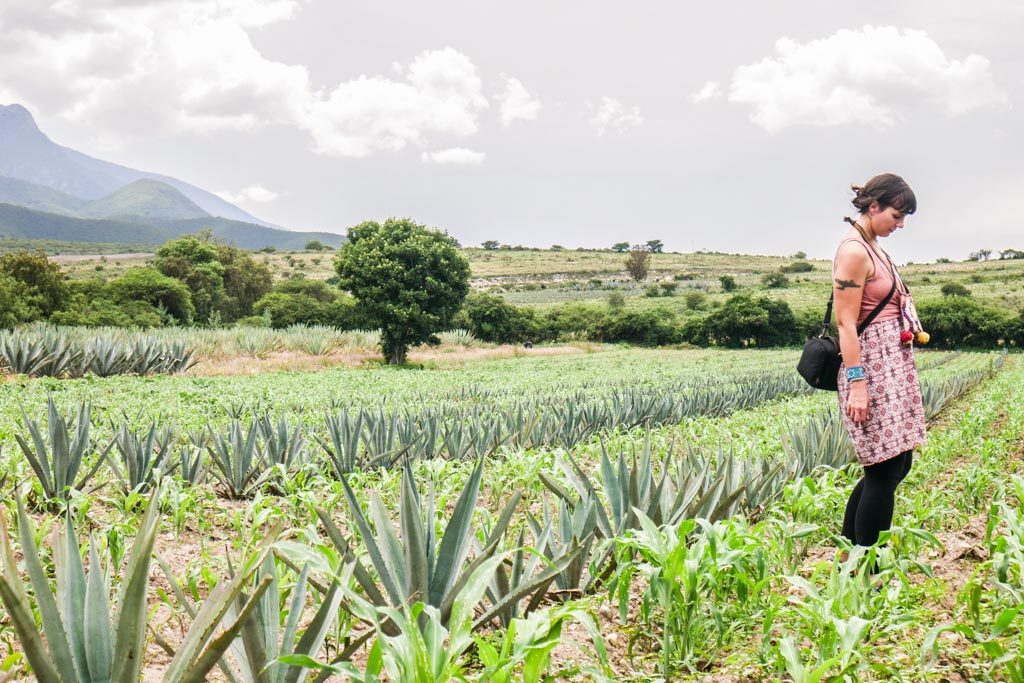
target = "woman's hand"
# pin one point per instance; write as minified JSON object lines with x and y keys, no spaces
{"x":857,"y":404}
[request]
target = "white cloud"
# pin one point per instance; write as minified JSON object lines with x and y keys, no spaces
{"x":254,"y":193}
{"x":454,"y":155}
{"x":517,"y":102}
{"x":611,"y":114}
{"x":867,"y":76}
{"x":440,"y":94}
{"x":153,"y":67}
{"x":710,"y":91}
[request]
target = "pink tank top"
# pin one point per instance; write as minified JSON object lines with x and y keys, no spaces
{"x":877,"y":286}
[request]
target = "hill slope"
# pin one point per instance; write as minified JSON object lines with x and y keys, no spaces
{"x":38,"y":197}
{"x":27,"y":154}
{"x":18,"y":221}
{"x":143,"y":198}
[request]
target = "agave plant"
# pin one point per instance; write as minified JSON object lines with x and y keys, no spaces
{"x":571,"y":536}
{"x":107,"y":357}
{"x":241,"y":465}
{"x":689,"y":487}
{"x":345,"y":434}
{"x":458,"y":337}
{"x":284,"y":446}
{"x":821,"y":441}
{"x":418,"y":567}
{"x":190,"y":464}
{"x":263,"y":643}
{"x":144,"y":459}
{"x":56,"y":461}
{"x":22,"y":353}
{"x":81,"y":641}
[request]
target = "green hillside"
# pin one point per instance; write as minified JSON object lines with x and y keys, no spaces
{"x":38,"y":197}
{"x":143,"y":199}
{"x":19,"y":222}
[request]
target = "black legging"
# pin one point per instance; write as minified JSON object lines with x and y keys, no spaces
{"x":869,"y":510}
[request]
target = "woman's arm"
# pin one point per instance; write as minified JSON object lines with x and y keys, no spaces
{"x":851,"y":273}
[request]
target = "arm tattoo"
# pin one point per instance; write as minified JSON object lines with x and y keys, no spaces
{"x":847,"y":284}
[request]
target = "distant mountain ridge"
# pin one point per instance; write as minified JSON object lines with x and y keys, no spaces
{"x":19,"y":221}
{"x":54,"y":192}
{"x":31,"y":156}
{"x":144,"y":198}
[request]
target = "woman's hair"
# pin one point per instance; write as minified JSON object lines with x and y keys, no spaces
{"x":888,"y":189}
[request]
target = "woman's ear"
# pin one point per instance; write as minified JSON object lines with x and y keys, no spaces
{"x":874,"y":208}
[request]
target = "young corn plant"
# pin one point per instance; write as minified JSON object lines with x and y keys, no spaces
{"x":56,"y":461}
{"x":423,"y":645}
{"x":527,"y":644}
{"x":703,"y":580}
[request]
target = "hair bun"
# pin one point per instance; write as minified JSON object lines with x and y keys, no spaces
{"x":857,"y":189}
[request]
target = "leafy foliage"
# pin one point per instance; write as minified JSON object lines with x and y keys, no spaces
{"x":407,"y":280}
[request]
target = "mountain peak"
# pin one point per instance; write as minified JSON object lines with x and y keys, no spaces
{"x":15,"y":118}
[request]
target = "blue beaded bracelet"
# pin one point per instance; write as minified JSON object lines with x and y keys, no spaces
{"x":855,"y":373}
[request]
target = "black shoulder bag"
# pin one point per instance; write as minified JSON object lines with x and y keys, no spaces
{"x":820,"y":360}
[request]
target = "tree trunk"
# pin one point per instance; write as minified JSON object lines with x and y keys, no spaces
{"x":397,"y":355}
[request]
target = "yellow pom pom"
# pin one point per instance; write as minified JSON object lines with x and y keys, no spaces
{"x":922,"y":337}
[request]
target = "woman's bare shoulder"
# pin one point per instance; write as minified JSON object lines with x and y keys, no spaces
{"x":852,"y":250}
{"x":852,"y":256}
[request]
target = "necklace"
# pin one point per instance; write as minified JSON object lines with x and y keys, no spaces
{"x":873,"y":245}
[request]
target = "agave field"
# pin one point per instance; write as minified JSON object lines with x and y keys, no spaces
{"x":619,"y":515}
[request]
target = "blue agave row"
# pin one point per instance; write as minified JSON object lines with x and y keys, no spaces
{"x":50,"y":353}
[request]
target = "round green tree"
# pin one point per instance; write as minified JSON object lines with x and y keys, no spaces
{"x":407,"y":280}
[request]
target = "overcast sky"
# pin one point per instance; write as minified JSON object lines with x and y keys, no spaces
{"x":731,"y":126}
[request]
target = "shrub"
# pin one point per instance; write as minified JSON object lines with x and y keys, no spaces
{"x":652,"y":291}
{"x":775,"y":280}
{"x":695,"y":301}
{"x":808,"y":321}
{"x":616,"y":300}
{"x":44,"y":290}
{"x":669,"y":288}
{"x":13,"y":307}
{"x":154,"y":288}
{"x":493,"y":319}
{"x":746,"y":321}
{"x":728,"y":283}
{"x":314,"y":245}
{"x":652,"y":327}
{"x":955,"y":322}
{"x":570,"y":321}
{"x":683,"y":277}
{"x":955,"y":289}
{"x":797,"y":267}
{"x":638,"y":263}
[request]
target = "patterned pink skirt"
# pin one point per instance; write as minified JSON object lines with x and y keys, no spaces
{"x":895,"y":413}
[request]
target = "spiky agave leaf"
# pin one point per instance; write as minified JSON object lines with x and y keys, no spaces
{"x":80,"y":641}
{"x":57,"y":460}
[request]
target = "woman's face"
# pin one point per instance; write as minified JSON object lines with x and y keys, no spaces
{"x":885,"y":221}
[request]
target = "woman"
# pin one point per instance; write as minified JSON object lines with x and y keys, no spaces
{"x":879,"y":395}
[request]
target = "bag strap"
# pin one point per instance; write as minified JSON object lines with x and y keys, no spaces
{"x":878,"y":309}
{"x":867,"y":321}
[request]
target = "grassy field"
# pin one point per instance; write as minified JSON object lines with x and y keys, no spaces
{"x":545,"y":278}
{"x":754,"y":591}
